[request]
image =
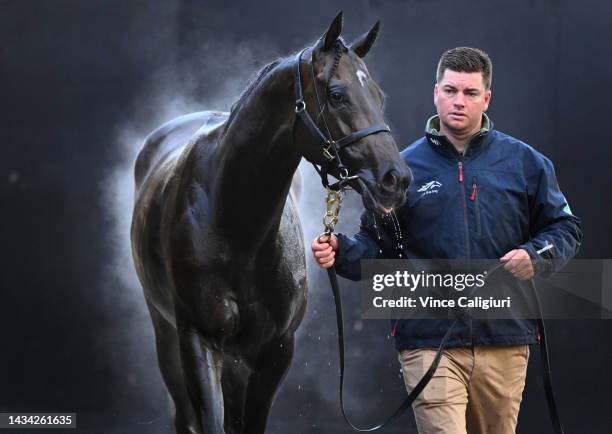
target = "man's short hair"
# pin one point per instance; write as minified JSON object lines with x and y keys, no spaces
{"x":466,"y":59}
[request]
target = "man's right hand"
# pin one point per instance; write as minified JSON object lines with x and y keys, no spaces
{"x":324,"y":250}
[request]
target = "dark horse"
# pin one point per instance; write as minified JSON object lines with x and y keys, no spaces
{"x":216,"y":237}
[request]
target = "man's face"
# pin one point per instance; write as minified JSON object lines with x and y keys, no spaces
{"x":461,"y":98}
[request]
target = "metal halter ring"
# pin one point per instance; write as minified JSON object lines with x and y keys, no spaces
{"x":300,"y":106}
{"x":343,"y":173}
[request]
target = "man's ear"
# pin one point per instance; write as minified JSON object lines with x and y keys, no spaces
{"x":362,"y":44}
{"x":333,"y":32}
{"x":487,"y":100}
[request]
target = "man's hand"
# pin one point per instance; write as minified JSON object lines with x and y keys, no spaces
{"x":518,"y":263}
{"x":324,"y":249}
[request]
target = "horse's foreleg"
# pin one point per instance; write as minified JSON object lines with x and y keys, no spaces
{"x":166,"y":339}
{"x":202,"y":366}
{"x":272,"y":366}
{"x":235,"y":381}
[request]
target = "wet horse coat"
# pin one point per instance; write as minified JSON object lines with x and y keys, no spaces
{"x":204,"y":266}
{"x":217,"y":241}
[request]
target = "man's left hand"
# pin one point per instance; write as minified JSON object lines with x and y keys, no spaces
{"x":518,"y":263}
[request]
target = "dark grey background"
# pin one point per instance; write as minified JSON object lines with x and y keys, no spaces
{"x":81,"y":83}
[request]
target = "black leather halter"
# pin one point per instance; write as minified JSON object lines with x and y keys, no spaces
{"x":331,"y":147}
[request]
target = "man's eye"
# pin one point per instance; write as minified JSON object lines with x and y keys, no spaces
{"x":336,"y":96}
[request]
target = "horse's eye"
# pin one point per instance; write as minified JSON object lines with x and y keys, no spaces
{"x":336,"y":96}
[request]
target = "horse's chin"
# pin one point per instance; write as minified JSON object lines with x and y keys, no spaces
{"x":381,"y":209}
{"x":370,"y":200}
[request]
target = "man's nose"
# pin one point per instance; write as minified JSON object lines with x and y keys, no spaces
{"x":459,"y":100}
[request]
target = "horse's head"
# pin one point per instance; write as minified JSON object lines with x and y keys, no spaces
{"x":346,"y":105}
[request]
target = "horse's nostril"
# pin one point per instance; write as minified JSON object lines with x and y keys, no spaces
{"x":391,"y":178}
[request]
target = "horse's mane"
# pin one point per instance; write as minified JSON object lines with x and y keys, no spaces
{"x":339,"y":47}
{"x":237,"y":105}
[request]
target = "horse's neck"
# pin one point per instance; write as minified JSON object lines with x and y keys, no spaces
{"x":255,"y":163}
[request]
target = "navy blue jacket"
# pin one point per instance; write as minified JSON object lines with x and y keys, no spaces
{"x":500,"y":195}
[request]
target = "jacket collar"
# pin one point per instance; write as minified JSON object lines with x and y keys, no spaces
{"x":440,"y":142}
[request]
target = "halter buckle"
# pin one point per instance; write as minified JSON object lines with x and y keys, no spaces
{"x":326,"y":149}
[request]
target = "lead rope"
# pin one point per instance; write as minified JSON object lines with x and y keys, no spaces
{"x":546,"y":371}
{"x":330,"y":219}
{"x":333,"y":204}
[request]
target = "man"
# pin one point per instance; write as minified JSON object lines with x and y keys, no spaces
{"x":477,"y":193}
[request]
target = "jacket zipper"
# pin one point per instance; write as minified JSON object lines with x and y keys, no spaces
{"x":465,"y":217}
{"x":474,"y":198}
{"x":465,"y":226}
{"x":394,"y":330}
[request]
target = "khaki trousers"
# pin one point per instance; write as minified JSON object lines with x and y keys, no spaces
{"x":475,"y":390}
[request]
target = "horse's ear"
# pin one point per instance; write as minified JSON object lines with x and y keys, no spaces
{"x":362,"y":44}
{"x":333,"y":33}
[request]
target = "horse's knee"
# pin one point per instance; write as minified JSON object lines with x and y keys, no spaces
{"x":225,"y":317}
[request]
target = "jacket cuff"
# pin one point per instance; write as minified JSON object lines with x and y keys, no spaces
{"x":342,"y":245}
{"x":541,"y":266}
{"x":343,"y":266}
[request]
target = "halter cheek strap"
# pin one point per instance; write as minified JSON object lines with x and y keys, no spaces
{"x":331,"y":147}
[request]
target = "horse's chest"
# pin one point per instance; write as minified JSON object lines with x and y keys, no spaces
{"x":272,"y":293}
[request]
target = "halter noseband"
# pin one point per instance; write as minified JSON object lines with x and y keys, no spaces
{"x":331,"y":147}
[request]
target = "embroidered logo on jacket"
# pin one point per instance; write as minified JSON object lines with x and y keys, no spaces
{"x":430,"y":188}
